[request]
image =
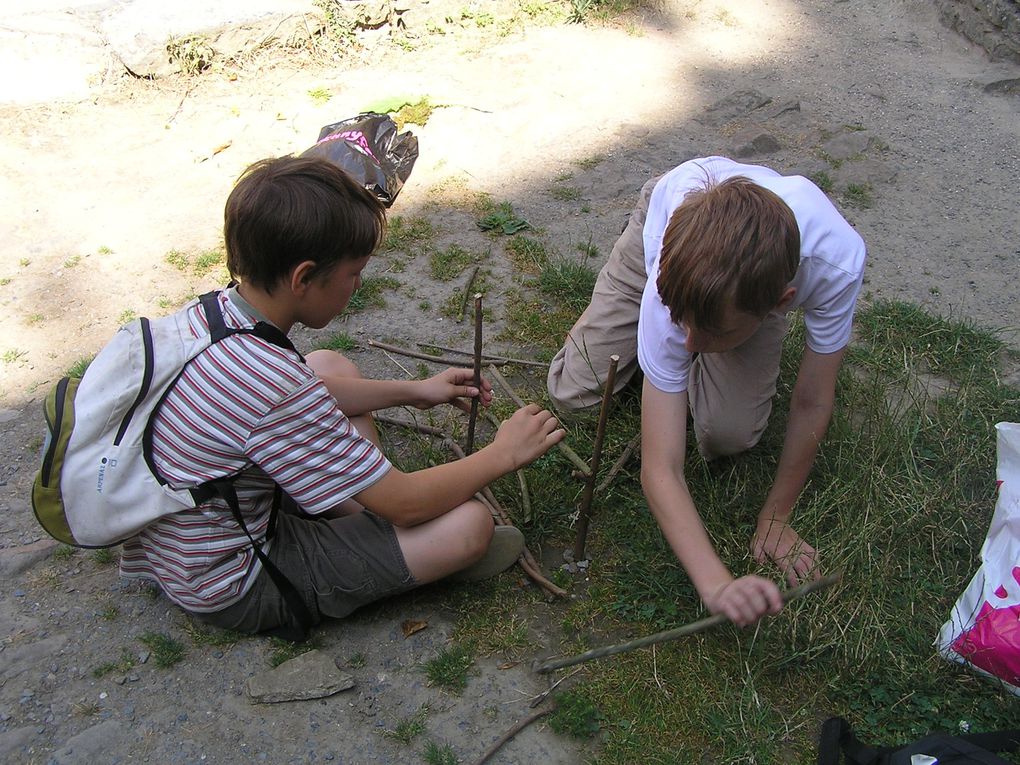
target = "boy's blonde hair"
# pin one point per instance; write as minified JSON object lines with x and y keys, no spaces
{"x":730,"y":243}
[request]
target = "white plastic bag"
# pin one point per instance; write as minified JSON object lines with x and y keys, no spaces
{"x":983,"y":631}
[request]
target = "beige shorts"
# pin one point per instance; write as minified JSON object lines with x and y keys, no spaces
{"x":730,"y":393}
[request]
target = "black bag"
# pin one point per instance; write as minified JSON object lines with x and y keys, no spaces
{"x":369,"y":149}
{"x":971,"y":749}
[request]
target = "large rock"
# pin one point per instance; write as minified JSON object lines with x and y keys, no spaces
{"x":992,"y":24}
{"x":312,"y":675}
{"x":139,"y":31}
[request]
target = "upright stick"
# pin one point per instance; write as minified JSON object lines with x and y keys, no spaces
{"x":584,"y":510}
{"x":478,"y":374}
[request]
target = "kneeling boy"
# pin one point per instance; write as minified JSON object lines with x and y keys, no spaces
{"x":695,"y":292}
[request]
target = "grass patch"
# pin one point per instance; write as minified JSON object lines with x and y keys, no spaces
{"x":449,"y":670}
{"x":565,"y":193}
{"x":450,"y":263}
{"x":590,"y":162}
{"x":527,"y":255}
{"x":575,"y":716}
{"x":409,"y":235}
{"x":823,"y":181}
{"x":439,"y":754}
{"x":411,"y":727}
{"x":370,"y":294}
{"x":166,"y":651}
{"x":103,"y":556}
{"x":568,"y":282}
{"x":284,"y":650}
{"x":858,"y":195}
{"x":340,"y":342}
{"x":77,"y":369}
{"x":417,"y":113}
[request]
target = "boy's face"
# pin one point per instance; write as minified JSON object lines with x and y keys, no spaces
{"x":328,"y":296}
{"x":735,"y":328}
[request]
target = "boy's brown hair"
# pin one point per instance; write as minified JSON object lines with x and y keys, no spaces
{"x":729,"y":243}
{"x":287,"y":210}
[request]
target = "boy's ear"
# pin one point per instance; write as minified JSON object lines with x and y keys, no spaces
{"x":301,"y":276}
{"x":788,"y":295}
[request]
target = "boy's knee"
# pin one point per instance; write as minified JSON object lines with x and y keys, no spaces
{"x":331,"y":363}
{"x":725,"y":440}
{"x":478,"y":529}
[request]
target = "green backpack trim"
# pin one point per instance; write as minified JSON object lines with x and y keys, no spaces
{"x":47,"y":502}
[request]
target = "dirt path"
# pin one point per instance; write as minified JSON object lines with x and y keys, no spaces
{"x":876,"y":95}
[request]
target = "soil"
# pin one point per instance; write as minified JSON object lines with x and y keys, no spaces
{"x":565,"y":122}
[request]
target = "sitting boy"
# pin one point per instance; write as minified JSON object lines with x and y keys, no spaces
{"x":695,"y":292}
{"x":298,"y":233}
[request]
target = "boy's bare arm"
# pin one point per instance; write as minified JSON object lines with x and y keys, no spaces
{"x":810,"y":412}
{"x":407,"y":499}
{"x":663,"y":446}
{"x":357,"y":395}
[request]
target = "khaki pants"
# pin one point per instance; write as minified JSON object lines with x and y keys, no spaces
{"x":730,"y":393}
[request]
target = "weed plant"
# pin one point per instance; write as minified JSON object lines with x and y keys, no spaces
{"x":166,"y":650}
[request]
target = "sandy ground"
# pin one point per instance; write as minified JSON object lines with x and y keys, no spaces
{"x":97,"y":192}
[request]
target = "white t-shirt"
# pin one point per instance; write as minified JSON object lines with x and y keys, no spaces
{"x":827,"y":282}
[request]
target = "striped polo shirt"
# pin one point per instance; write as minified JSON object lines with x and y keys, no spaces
{"x":250,"y":408}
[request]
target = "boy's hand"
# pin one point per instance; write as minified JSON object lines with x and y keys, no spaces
{"x":745,"y":600}
{"x":529,"y":433}
{"x":777,"y":541}
{"x":452,"y":386}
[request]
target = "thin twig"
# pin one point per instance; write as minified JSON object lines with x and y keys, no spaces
{"x":620,"y":462}
{"x":584,"y":509}
{"x":414,"y":354}
{"x":467,"y":291}
{"x":513,"y":732}
{"x":473,"y":417}
{"x":679,"y":632}
{"x":569,"y":453}
{"x":545,"y":694}
{"x":486,"y":357}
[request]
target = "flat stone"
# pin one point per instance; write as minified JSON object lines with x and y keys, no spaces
{"x":849,"y":144}
{"x":15,"y":560}
{"x":92,"y":744}
{"x":736,"y":104}
{"x":312,"y":675}
{"x":865,"y":171}
{"x":1004,"y":87}
{"x":754,"y":142}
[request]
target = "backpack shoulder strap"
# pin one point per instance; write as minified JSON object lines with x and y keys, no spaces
{"x":218,"y":328}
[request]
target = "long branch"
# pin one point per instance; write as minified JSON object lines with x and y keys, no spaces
{"x":679,"y":632}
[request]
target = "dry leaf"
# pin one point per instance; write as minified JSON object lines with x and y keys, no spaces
{"x":508,"y":665}
{"x":411,"y":626}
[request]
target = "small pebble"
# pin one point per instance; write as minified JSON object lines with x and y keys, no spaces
{"x":19,"y":593}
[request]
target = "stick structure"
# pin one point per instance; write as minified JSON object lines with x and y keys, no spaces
{"x":478,"y":374}
{"x":569,"y":453}
{"x":679,"y":632}
{"x":584,"y":510}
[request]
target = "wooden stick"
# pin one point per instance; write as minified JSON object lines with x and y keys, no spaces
{"x":569,"y":453}
{"x":486,"y":357}
{"x":415,"y":355}
{"x":473,"y":417}
{"x":679,"y":632}
{"x":513,"y":732}
{"x":467,"y":291}
{"x":620,"y":462}
{"x":584,"y":509}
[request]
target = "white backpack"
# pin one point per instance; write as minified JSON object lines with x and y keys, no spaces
{"x":97,"y":485}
